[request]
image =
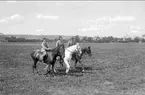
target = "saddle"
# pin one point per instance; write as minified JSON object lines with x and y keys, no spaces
{"x":42,"y":57}
{"x":38,"y":54}
{"x":39,"y":51}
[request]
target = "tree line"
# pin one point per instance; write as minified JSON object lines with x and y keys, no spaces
{"x":86,"y":39}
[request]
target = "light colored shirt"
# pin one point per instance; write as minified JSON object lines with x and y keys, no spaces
{"x":44,"y":45}
{"x":58,"y":43}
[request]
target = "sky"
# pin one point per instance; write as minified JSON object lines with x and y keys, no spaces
{"x":84,"y":18}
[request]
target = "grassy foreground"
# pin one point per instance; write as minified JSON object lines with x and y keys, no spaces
{"x":114,"y":69}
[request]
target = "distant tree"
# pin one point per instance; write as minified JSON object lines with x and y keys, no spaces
{"x":116,"y":39}
{"x":128,"y":39}
{"x":97,"y":39}
{"x":21,"y":40}
{"x":84,"y":39}
{"x":55,"y":39}
{"x":104,"y":40}
{"x":77,"y":38}
{"x":143,"y":36}
{"x":11,"y":39}
{"x":110,"y":39}
{"x":89,"y":39}
{"x":136,"y":39}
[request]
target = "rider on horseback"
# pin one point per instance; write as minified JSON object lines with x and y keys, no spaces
{"x":71,"y":42}
{"x":44,"y":48}
{"x":59,"y":42}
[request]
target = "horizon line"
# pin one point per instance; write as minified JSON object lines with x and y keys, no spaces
{"x":66,"y":35}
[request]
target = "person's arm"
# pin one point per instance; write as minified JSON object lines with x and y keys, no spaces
{"x":57,"y":43}
{"x":43,"y":46}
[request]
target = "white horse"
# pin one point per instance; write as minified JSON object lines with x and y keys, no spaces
{"x":68,"y":54}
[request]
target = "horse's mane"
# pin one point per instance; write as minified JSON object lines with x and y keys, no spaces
{"x":56,"y":49}
{"x":84,"y":50}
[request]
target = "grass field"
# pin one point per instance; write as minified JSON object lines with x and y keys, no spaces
{"x":114,"y":69}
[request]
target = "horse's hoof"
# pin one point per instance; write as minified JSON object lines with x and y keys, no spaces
{"x":35,"y":73}
{"x":52,"y":76}
{"x":83,"y":70}
{"x":66,"y":73}
{"x":47,"y":73}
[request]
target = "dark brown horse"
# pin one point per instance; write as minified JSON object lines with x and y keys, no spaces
{"x":49,"y":59}
{"x":77,"y":58}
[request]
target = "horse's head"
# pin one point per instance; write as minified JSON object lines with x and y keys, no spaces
{"x":88,"y":51}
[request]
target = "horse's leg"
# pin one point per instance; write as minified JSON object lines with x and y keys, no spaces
{"x":53,"y":64}
{"x":81,"y":64}
{"x":76,"y":62}
{"x":53,"y":67}
{"x":61,"y":61}
{"x":67,"y":65}
{"x":47,"y":68}
{"x":35,"y":65}
{"x":33,"y":68}
{"x":77,"y":58}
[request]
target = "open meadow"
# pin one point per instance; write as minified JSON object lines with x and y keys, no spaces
{"x":113,"y":69}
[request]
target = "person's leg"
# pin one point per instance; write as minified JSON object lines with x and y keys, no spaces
{"x":44,"y":53}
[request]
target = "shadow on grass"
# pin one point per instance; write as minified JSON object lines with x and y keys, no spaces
{"x":72,"y":72}
{"x":85,"y":68}
{"x":77,"y":72}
